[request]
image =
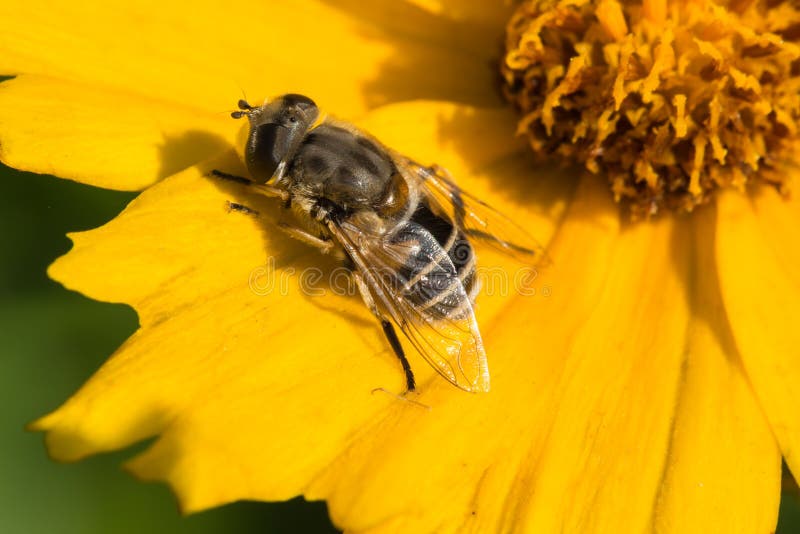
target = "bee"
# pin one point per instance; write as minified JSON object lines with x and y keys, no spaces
{"x":404,"y":229}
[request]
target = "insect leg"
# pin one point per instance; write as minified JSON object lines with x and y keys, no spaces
{"x":268,"y":190}
{"x":241,"y":208}
{"x":388,"y":331}
{"x":230,"y":177}
{"x":325,"y":245}
{"x":480,"y":234}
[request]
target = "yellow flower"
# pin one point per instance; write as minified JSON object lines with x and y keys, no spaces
{"x":647,"y":386}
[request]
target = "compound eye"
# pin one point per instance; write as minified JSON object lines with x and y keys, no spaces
{"x":267,"y":145}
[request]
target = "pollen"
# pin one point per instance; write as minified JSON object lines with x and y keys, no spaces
{"x":670,"y":100}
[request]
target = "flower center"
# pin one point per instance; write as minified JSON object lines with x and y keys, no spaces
{"x":670,"y":99}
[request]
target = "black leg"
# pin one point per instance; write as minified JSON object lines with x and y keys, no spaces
{"x":391,"y":335}
{"x":268,"y":190}
{"x":480,"y":234}
{"x":241,"y":208}
{"x":326,"y":216}
{"x":230,"y":177}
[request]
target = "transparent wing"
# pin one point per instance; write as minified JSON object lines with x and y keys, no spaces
{"x":477,"y":218}
{"x":415,"y":281}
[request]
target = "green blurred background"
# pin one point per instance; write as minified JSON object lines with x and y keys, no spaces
{"x":52,"y":340}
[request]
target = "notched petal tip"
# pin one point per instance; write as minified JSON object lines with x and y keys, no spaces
{"x":75,"y":431}
{"x":63,"y":444}
{"x":42,"y":424}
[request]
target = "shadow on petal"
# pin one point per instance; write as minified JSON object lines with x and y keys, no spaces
{"x":435,"y":57}
{"x":179,"y":152}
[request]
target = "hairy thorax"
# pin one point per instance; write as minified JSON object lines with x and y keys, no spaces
{"x":351,"y":172}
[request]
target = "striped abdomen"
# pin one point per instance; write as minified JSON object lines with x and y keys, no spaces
{"x":438,"y":274}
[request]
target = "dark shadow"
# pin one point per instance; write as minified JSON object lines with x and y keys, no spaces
{"x":267,"y":210}
{"x":283,"y":250}
{"x":422,"y":41}
{"x":528,"y":179}
{"x":693,"y":244}
{"x":414,"y":70}
{"x":184,"y":151}
{"x":295,"y":515}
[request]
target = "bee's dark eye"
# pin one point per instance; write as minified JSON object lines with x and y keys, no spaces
{"x":276,"y":130}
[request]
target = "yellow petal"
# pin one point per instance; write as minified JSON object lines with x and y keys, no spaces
{"x":348,"y":55}
{"x":132,"y":110}
{"x":105,"y":137}
{"x":608,"y":347}
{"x":724,"y":466}
{"x":757,"y":251}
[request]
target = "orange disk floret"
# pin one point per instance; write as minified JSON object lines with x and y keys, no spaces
{"x":670,"y":99}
